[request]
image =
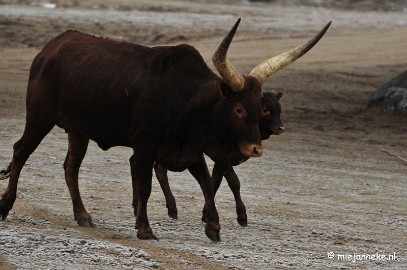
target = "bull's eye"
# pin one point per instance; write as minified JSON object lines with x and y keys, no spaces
{"x":240,"y":111}
{"x":266,"y":111}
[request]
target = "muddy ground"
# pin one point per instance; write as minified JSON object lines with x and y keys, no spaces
{"x":333,"y":185}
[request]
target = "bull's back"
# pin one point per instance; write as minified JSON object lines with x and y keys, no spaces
{"x":89,"y":84}
{"x":103,"y":88}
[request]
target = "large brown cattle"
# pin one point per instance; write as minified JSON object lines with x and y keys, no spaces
{"x":164,"y":102}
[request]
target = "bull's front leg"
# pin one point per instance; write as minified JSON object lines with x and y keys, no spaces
{"x":217,"y":175}
{"x":141,"y":170}
{"x":201,"y":174}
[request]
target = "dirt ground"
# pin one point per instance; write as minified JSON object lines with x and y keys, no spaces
{"x":325,"y":194}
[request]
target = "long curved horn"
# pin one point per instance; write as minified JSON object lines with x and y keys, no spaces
{"x":228,"y":72}
{"x":274,"y":64}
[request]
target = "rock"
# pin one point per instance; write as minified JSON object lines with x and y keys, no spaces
{"x":392,"y":95}
{"x":396,"y":99}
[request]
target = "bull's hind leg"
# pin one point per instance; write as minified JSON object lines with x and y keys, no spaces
{"x":78,"y":144}
{"x":35,"y":130}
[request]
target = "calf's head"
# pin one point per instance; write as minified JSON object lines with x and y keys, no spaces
{"x":270,"y":122}
{"x":237,"y":115}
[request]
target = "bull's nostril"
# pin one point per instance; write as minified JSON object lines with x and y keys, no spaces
{"x":257,"y":151}
{"x":281,"y":129}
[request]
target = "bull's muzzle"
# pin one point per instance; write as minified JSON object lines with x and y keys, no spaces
{"x":257,"y":151}
{"x":251,"y":150}
{"x":278,"y":130}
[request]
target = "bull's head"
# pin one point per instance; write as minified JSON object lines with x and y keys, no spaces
{"x":244,"y":92}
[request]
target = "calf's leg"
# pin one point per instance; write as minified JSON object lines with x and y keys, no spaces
{"x":78,"y":145}
{"x":234,"y":185}
{"x":161,"y":174}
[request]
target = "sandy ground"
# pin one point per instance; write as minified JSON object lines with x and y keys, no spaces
{"x":334,"y":184}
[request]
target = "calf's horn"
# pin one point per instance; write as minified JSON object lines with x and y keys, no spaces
{"x":274,"y":64}
{"x":228,"y":72}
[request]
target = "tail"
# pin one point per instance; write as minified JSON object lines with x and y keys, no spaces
{"x":4,"y":174}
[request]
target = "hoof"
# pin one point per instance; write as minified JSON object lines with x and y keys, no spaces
{"x":84,"y":221}
{"x":147,"y":236}
{"x":145,"y":233}
{"x":212,"y":234}
{"x":242,"y":221}
{"x":4,"y":214}
{"x":173,"y":214}
{"x":4,"y":209}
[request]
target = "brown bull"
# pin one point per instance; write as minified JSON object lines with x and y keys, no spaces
{"x":164,"y":102}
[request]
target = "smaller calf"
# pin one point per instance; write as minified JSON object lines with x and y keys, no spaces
{"x":269,"y":124}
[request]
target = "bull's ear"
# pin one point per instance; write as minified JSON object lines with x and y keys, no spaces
{"x":279,"y":95}
{"x":226,"y":90}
